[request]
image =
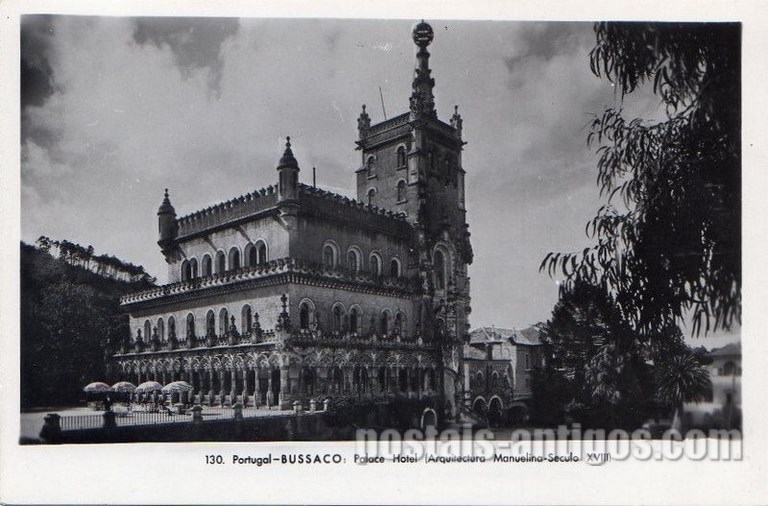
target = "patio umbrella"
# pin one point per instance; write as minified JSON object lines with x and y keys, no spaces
{"x":177,"y":386}
{"x":123,"y":386}
{"x":149,"y":386}
{"x":97,"y":386}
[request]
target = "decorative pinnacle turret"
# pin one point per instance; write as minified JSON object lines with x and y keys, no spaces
{"x":287,"y":160}
{"x":166,"y":207}
{"x":422,"y":99}
{"x":456,"y":121}
{"x":363,"y":123}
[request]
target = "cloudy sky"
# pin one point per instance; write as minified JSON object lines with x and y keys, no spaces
{"x":114,"y":110}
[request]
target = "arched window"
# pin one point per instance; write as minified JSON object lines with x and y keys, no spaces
{"x":256,"y":254}
{"x":193,"y":268}
{"x":360,"y":379}
{"x":370,"y":166}
{"x":307,"y":381}
{"x":207,"y":265}
{"x":261,"y":252}
{"x":401,"y":156}
{"x":354,"y":319}
{"x":386,"y":322}
{"x":401,"y":191}
{"x":210,"y":324}
{"x":147,"y":331}
{"x":190,"y":326}
{"x":371,"y":193}
{"x":304,"y":316}
{"x":439,"y":270}
{"x":375,"y":261}
{"x":160,"y":329}
{"x":246,"y":319}
{"x":336,"y":380}
{"x":338,"y":318}
{"x":234,"y":259}
{"x":171,"y":327}
{"x":330,"y":254}
{"x":249,"y":255}
{"x":399,"y":323}
{"x":353,"y":259}
{"x":186,"y":270}
{"x":223,"y":321}
{"x":729,"y":369}
{"x":394,"y":268}
{"x":480,"y":381}
{"x":221,"y":262}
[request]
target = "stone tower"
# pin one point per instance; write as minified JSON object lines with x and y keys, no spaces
{"x":412,"y":164}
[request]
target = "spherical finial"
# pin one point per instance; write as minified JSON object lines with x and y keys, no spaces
{"x":166,"y":193}
{"x":287,"y":159}
{"x":423,"y":34}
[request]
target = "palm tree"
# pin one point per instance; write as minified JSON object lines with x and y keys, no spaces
{"x":681,"y":378}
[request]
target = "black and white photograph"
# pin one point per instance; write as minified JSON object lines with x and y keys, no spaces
{"x":306,"y":235}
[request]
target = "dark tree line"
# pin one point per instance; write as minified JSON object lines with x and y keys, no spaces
{"x":71,"y":323}
{"x":106,"y":265}
{"x":600,"y":373}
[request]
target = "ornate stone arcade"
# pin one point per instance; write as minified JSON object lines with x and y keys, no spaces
{"x":267,"y":368}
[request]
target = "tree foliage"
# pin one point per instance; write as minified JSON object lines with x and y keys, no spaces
{"x":595,"y":371}
{"x":600,"y":372}
{"x":70,"y":324}
{"x":668,"y":238}
{"x":682,"y":378}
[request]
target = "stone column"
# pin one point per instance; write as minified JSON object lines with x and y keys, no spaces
{"x":222,"y":393}
{"x":51,"y":431}
{"x":192,"y":392}
{"x":375,"y":387}
{"x":210,"y":387}
{"x":419,"y":382}
{"x":396,"y":380}
{"x":256,"y":390}
{"x":245,"y":388}
{"x":269,"y":388}
{"x":407,"y":381}
{"x":233,"y":386}
{"x":283,"y":385}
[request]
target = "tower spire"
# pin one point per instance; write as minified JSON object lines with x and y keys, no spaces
{"x":422,"y":99}
{"x":166,"y":220}
{"x":288,"y":175}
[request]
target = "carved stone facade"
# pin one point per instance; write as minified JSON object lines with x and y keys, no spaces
{"x":292,"y":292}
{"x":498,"y":368}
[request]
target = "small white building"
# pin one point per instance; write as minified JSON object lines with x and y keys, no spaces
{"x":722,"y":409}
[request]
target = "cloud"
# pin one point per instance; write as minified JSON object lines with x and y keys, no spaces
{"x":36,"y":72}
{"x":195,"y":42}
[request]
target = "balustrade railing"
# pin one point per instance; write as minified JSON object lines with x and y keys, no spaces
{"x":153,"y":415}
{"x":283,"y":265}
